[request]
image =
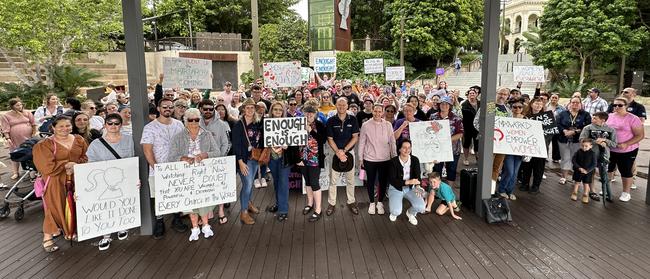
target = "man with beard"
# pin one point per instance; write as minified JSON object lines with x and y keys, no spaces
{"x":219,"y":129}
{"x":156,"y":142}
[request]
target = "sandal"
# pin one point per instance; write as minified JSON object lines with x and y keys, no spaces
{"x":51,"y":247}
{"x":14,"y":176}
{"x":574,"y":196}
{"x":307,"y":209}
{"x":594,"y":196}
{"x":221,"y":220}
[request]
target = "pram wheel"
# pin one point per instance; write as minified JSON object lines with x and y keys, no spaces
{"x":20,"y":214}
{"x":5,"y":211}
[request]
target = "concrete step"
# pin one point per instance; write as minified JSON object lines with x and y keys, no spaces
{"x":96,"y":66}
{"x":14,"y":58}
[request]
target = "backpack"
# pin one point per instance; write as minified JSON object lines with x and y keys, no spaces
{"x":45,"y":127}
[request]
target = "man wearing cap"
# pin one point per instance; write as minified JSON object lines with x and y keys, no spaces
{"x":515,"y":93}
{"x":227,"y":93}
{"x":353,"y":99}
{"x":342,"y":135}
{"x":632,"y":106}
{"x":594,"y":103}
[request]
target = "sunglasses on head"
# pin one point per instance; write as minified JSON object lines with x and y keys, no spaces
{"x":113,"y":123}
{"x":183,"y":107}
{"x":193,"y":119}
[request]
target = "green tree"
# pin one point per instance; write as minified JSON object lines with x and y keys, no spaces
{"x":579,"y":30}
{"x":234,"y":16}
{"x":284,"y":41}
{"x":43,"y":32}
{"x":177,"y":24}
{"x":350,"y":65}
{"x":366,"y":22}
{"x":436,"y":28}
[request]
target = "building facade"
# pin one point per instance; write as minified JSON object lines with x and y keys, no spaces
{"x":520,"y":16}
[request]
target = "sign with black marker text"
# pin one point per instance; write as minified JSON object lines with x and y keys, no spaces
{"x":285,"y":131}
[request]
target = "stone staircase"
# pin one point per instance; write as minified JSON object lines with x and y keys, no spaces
{"x":504,"y":76}
{"x":108,"y":72}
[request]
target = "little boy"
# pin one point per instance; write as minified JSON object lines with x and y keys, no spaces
{"x":444,"y":192}
{"x":584,"y":165}
{"x":604,"y":138}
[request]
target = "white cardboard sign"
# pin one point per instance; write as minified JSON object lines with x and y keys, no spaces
{"x":431,"y":141}
{"x":515,"y":136}
{"x":373,"y":66}
{"x":187,"y":73}
{"x":395,"y":73}
{"x":528,"y":73}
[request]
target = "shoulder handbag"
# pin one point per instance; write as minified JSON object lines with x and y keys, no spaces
{"x":497,"y":210}
{"x":261,"y":155}
{"x":40,"y":185}
{"x":108,"y":146}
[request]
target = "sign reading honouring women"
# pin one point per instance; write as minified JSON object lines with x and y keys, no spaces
{"x":187,"y":73}
{"x":325,"y":64}
{"x":528,"y":73}
{"x":373,"y":66}
{"x":431,"y":141}
{"x":514,"y":136}
{"x":108,"y":197}
{"x":548,"y":122}
{"x":286,"y":131}
{"x":282,"y":74}
{"x":395,"y":73}
{"x":182,"y":187}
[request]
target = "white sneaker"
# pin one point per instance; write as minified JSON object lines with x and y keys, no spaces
{"x":543,"y":176}
{"x":104,"y":244}
{"x":257,"y":183}
{"x":633,"y":187}
{"x":412,"y":218}
{"x":371,"y":209}
{"x":263,"y":182}
{"x":562,"y":180}
{"x":392,"y":217}
{"x":380,"y":208}
{"x":195,"y":234}
{"x":207,"y":231}
{"x":625,"y":197}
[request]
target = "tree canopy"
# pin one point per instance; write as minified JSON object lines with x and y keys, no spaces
{"x":580,"y":30}
{"x":284,"y":41}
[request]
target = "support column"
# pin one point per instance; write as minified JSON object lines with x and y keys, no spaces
{"x":488,"y":97}
{"x":137,"y":75}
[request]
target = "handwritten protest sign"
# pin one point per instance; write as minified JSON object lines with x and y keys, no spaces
{"x":431,"y":141}
{"x":440,"y":71}
{"x":548,"y":122}
{"x":108,"y":197}
{"x":282,"y":74}
{"x":395,"y":73}
{"x":306,"y":73}
{"x":187,"y":73}
{"x":181,"y":187}
{"x":528,"y":73}
{"x":514,"y":136}
{"x":373,"y":66}
{"x":325,"y":64}
{"x":285,"y":131}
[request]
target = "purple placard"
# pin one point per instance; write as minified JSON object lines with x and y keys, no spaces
{"x":440,"y":71}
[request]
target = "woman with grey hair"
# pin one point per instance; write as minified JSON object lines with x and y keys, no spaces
{"x":193,"y":145}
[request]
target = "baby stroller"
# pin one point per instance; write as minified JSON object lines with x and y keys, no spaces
{"x":18,"y":194}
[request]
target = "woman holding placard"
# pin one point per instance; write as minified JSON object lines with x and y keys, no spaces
{"x":282,"y":158}
{"x":193,"y":145}
{"x":535,"y":166}
{"x":112,"y":146}
{"x":570,"y":123}
{"x":511,"y":163}
{"x":55,"y":159}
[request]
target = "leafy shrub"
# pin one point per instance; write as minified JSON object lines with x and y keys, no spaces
{"x":349,"y":65}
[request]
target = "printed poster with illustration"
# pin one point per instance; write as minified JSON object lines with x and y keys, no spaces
{"x":108,"y":197}
{"x":282,"y":74}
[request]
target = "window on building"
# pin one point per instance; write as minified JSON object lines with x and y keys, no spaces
{"x":321,"y":24}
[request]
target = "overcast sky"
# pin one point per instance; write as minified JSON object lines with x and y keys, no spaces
{"x":301,"y":9}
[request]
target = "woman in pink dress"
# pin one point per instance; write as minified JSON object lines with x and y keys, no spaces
{"x":17,"y":126}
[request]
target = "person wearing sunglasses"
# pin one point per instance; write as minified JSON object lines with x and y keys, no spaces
{"x":629,"y":132}
{"x":90,"y":108}
{"x":292,"y":109}
{"x":511,"y":163}
{"x":99,"y":151}
{"x":389,"y":114}
{"x":156,"y":143}
{"x":192,"y":145}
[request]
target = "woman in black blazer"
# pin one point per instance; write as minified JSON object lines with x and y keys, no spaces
{"x":405,"y":185}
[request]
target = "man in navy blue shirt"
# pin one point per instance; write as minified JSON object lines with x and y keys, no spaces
{"x":632,"y":107}
{"x":342,"y":135}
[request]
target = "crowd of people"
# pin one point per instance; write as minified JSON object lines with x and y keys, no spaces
{"x":354,"y":124}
